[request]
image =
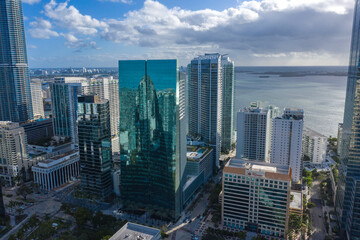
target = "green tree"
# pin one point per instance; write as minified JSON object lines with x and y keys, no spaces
{"x":82,"y":216}
{"x":294,"y":224}
{"x":310,"y":205}
{"x":242,"y":235}
{"x":24,"y":190}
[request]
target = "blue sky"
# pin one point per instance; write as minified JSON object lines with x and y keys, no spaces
{"x":97,"y":33}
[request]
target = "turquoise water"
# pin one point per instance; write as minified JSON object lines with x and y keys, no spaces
{"x":321,"y":96}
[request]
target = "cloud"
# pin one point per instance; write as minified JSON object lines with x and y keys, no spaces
{"x":122,"y":1}
{"x":41,"y":28}
{"x":68,"y":17}
{"x":31,"y":46}
{"x":253,"y":32}
{"x":74,"y":42}
{"x":31,"y":1}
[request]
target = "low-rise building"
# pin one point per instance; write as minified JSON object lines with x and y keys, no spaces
{"x":256,"y":197}
{"x":38,"y":130}
{"x":56,"y":171}
{"x":296,"y":203}
{"x":132,"y":231}
{"x":314,"y":146}
{"x":199,"y":168}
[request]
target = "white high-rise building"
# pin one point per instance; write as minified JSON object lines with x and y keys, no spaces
{"x":13,"y":152}
{"x":286,"y":144}
{"x":111,"y":93}
{"x":37,"y":98}
{"x":253,"y":134}
{"x":205,"y":100}
{"x":314,"y":146}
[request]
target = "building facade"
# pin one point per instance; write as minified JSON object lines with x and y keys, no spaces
{"x":64,"y":107}
{"x":37,"y":98}
{"x":38,"y":130}
{"x":253,"y":134}
{"x":95,"y":146}
{"x":256,"y":197}
{"x":152,"y":134}
{"x":15,"y":94}
{"x":346,"y":188}
{"x":13,"y":152}
{"x":286,"y":144}
{"x":314,"y":146}
{"x":228,"y":79}
{"x":205,"y":101}
{"x":56,"y":171}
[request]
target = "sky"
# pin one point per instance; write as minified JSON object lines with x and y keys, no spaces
{"x":98,"y":33}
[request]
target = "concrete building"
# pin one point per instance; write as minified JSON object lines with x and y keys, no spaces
{"x":13,"y":152}
{"x":253,"y":134}
{"x":133,"y":231}
{"x":95,"y":146}
{"x":206,"y":100}
{"x":286,"y":144}
{"x":314,"y":146}
{"x":15,"y":94}
{"x":56,"y":171}
{"x":296,"y":204}
{"x":38,"y":130}
{"x":111,"y":93}
{"x":256,"y":197}
{"x":37,"y":98}
{"x":228,"y":79}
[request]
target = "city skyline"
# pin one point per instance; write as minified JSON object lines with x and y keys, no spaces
{"x":97,"y":33}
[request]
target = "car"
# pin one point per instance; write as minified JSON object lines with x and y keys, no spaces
{"x":319,"y":215}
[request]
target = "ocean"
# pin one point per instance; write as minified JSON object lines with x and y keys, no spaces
{"x":320,"y":91}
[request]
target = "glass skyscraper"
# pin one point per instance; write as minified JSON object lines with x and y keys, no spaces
{"x":348,"y":190}
{"x":228,"y":76}
{"x":95,"y":146}
{"x":152,"y":135}
{"x":64,"y":108}
{"x":15,"y":95}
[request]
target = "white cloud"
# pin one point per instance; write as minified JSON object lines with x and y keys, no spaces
{"x":31,"y":1}
{"x":68,"y":17}
{"x":74,"y":42}
{"x":253,"y":31}
{"x":122,"y":1}
{"x":41,"y":28}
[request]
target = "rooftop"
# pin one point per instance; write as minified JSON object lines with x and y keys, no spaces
{"x":132,"y":231}
{"x":253,"y":110}
{"x":258,"y":166}
{"x":297,"y":202}
{"x":51,"y":162}
{"x":197,"y":154}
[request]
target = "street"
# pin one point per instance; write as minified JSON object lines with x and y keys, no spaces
{"x":316,"y":213}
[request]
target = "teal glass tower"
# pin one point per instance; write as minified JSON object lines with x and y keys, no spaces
{"x":95,"y":146}
{"x":348,"y":189}
{"x":152,"y":135}
{"x":15,"y":95}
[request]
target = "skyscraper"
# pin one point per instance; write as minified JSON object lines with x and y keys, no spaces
{"x":286,"y":144}
{"x":253,"y":134}
{"x":15,"y":95}
{"x":152,"y":135}
{"x":349,"y":163}
{"x":64,"y":107}
{"x":37,"y":98}
{"x":95,"y":146}
{"x":206,"y":100}
{"x":228,"y":76}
